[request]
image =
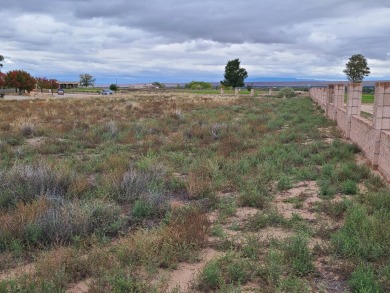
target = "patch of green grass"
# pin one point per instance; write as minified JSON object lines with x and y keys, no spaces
{"x":364,"y":235}
{"x":368,"y":98}
{"x":298,"y":255}
{"x":227,"y":207}
{"x":293,"y":284}
{"x":363,"y":279}
{"x":265,"y":218}
{"x":232,"y":269}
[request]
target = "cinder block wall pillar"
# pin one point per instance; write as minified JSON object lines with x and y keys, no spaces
{"x":329,"y":101}
{"x":354,"y":98}
{"x":354,"y":102}
{"x":339,"y":92}
{"x":381,"y":119}
{"x":324,"y":99}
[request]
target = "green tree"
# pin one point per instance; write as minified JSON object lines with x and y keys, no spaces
{"x":20,"y":80}
{"x":198,"y":85}
{"x":356,"y":68}
{"x":286,"y":92}
{"x":113,"y":87}
{"x":158,"y":85}
{"x":234,"y":75}
{"x":87,"y":80}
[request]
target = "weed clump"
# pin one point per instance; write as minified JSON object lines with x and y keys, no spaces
{"x":43,"y":223}
{"x":286,"y":93}
{"x":136,"y":182}
{"x":26,"y":182}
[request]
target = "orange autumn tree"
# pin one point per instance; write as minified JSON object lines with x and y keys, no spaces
{"x":20,"y":80}
{"x":44,"y":83}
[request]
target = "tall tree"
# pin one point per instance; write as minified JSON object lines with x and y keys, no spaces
{"x":113,"y":87}
{"x":87,"y":80}
{"x":356,"y":68}
{"x":20,"y":80}
{"x":234,"y":75}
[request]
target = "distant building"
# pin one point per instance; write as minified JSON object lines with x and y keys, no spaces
{"x":68,"y":84}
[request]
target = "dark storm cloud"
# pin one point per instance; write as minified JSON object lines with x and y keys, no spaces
{"x":273,"y":37}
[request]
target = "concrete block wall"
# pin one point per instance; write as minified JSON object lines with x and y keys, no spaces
{"x":332,"y":111}
{"x":372,"y":137}
{"x":363,"y":134}
{"x":341,"y":119}
{"x":384,"y":154}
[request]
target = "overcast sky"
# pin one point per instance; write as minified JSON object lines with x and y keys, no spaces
{"x":179,"y":41}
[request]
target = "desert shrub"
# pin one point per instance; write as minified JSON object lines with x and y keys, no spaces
{"x":189,"y":225}
{"x":152,"y":205}
{"x":60,"y":267}
{"x":178,"y":240}
{"x":199,"y":181}
{"x":217,"y":129}
{"x":286,"y":93}
{"x":103,"y":217}
{"x":26,"y":126}
{"x":111,"y":128}
{"x":136,"y":182}
{"x":64,"y":222}
{"x":44,"y":223}
{"x":26,"y":182}
{"x":18,"y":224}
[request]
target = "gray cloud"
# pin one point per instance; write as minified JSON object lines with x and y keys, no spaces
{"x":178,"y":38}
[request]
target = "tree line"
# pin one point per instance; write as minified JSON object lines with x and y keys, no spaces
{"x":23,"y":81}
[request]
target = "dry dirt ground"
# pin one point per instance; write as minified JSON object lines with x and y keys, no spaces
{"x":328,"y":278}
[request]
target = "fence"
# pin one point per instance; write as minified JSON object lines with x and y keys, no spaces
{"x":372,"y":137}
